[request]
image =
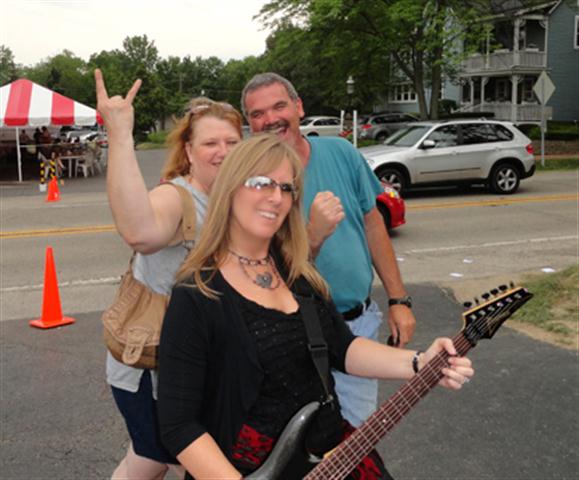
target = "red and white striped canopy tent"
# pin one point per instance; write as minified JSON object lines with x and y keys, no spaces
{"x":25,"y":104}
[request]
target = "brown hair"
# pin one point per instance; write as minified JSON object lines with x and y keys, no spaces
{"x":257,"y":155}
{"x":177,"y":163}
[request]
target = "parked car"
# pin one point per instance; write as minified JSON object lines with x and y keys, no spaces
{"x":391,"y":206}
{"x":100,"y":137}
{"x":380,"y":127}
{"x":320,"y":126}
{"x":81,"y":134}
{"x":454,"y":152}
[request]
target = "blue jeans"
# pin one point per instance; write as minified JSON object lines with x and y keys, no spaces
{"x":359,"y":396}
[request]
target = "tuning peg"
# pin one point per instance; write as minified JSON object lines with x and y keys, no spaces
{"x":486,"y":295}
{"x":494,"y":291}
{"x":467,"y":305}
{"x":476,"y":300}
{"x":511,"y":284}
{"x":503,"y":288}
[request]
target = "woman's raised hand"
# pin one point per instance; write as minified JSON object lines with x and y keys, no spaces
{"x":117,"y":112}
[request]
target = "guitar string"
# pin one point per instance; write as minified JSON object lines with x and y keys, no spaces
{"x":430,"y":372}
{"x":439,"y":361}
{"x":436,"y":363}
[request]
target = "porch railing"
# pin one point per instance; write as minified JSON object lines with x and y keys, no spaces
{"x":499,"y":61}
{"x":504,"y":111}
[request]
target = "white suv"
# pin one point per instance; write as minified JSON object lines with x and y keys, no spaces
{"x":454,"y":152}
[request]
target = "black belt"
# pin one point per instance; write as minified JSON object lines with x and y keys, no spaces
{"x":355,"y":312}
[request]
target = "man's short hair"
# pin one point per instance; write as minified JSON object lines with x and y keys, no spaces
{"x":265,"y":80}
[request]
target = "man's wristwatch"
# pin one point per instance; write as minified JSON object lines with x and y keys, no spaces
{"x":407,"y":300}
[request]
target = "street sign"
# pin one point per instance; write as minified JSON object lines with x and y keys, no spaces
{"x":544,"y":88}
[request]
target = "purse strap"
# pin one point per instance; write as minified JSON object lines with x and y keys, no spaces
{"x":189,"y":215}
{"x":188,"y":222}
{"x":316,"y":343}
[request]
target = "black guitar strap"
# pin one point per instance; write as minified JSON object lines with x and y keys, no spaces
{"x":316,"y":342}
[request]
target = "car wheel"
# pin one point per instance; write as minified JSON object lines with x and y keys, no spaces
{"x":393,"y":176}
{"x":504,"y":179}
{"x":381,"y":136}
{"x":383,"y":209}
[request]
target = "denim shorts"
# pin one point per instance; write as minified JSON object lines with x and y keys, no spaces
{"x":359,"y":396}
{"x":139,"y":410}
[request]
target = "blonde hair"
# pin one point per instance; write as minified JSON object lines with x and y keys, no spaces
{"x":256,"y":156}
{"x":177,"y":163}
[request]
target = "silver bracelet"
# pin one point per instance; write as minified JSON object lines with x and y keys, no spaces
{"x":415,"y":360}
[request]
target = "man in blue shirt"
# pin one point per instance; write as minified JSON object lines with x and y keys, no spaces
{"x":346,"y":231}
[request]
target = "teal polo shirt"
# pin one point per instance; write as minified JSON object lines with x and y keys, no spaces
{"x":344,"y":259}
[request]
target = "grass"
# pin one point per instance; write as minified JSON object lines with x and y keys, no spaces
{"x":555,"y":306}
{"x":150,"y":146}
{"x":571,"y":163}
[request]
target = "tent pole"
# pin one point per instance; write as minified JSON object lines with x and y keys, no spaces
{"x":19,"y":155}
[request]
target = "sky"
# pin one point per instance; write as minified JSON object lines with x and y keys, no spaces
{"x":37,"y":29}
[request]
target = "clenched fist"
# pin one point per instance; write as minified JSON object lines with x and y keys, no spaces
{"x":326,"y":212}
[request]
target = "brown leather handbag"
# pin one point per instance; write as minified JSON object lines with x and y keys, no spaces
{"x":132,"y":324}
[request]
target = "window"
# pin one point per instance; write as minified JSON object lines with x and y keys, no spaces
{"x":445,"y":136}
{"x":502,"y":133}
{"x":386,"y":119}
{"x":577,"y":30}
{"x":473,"y":133}
{"x":407,"y":137}
{"x":503,"y":90}
{"x":527,"y":94}
{"x":402,"y":93}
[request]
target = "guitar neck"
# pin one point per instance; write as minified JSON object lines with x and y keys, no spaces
{"x":351,"y":452}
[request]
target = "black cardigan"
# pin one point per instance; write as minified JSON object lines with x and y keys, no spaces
{"x":209,"y":373}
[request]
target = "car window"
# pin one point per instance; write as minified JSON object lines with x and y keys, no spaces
{"x":305,"y":121}
{"x":333,"y":121}
{"x":445,"y":136}
{"x":408,"y":118}
{"x":319,"y":122}
{"x":391,"y":119}
{"x":473,"y":133}
{"x":502,"y":133}
{"x":407,"y":137}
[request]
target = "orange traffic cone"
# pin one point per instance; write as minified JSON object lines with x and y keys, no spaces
{"x":53,"y":193}
{"x":51,"y":311}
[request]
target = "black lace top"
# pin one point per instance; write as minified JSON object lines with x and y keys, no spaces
{"x":290,"y":377}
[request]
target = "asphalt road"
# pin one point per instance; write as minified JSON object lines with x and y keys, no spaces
{"x":517,"y":419}
{"x":451,"y":237}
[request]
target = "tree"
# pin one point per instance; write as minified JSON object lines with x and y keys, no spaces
{"x":318,"y":60}
{"x":64,"y":73}
{"x":424,"y":38}
{"x":9,"y":71}
{"x":234,"y":76}
{"x":138,"y":59}
{"x":170,"y":75}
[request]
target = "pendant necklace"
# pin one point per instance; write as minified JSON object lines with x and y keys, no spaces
{"x":268,"y":280}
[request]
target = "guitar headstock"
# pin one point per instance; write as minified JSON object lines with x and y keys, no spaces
{"x":483,"y":318}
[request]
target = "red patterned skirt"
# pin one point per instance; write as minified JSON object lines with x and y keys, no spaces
{"x":252,"y":448}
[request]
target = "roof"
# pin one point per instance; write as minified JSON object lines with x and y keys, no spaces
{"x":24,"y":103}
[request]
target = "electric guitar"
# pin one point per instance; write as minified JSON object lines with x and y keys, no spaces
{"x":290,"y":461}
